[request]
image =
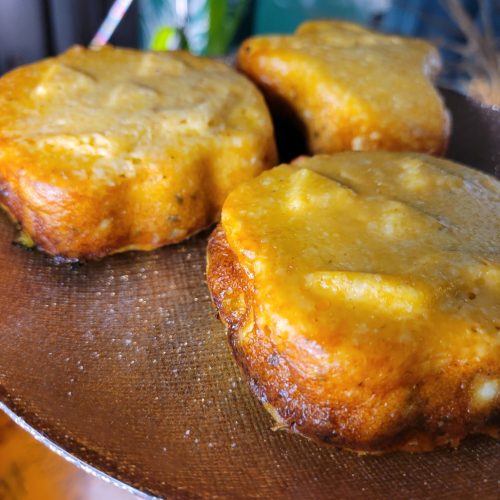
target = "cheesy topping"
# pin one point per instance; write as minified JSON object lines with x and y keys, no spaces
{"x":116,"y":149}
{"x":376,"y":259}
{"x":120,"y":107}
{"x":352,"y":88}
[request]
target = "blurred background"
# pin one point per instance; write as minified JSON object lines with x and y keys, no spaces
{"x":30,"y":471}
{"x":466,"y":31}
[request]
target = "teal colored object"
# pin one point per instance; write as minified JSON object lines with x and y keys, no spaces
{"x":283,"y":16}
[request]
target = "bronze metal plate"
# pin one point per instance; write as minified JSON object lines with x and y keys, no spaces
{"x":122,"y":365}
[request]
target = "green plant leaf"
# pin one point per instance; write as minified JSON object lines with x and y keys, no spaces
{"x":223,"y":24}
{"x":164,"y":38}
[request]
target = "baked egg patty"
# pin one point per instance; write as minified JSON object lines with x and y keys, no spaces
{"x":349,"y":88}
{"x":107,"y":150}
{"x":361,"y":292}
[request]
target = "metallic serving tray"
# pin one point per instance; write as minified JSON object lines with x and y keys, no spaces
{"x":122,"y":367}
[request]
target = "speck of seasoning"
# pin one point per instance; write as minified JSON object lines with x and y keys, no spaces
{"x":282,"y":393}
{"x":273,"y":360}
{"x":173,"y":218}
{"x":179,"y":199}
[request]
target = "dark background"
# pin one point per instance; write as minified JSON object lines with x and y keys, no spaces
{"x":32,"y":29}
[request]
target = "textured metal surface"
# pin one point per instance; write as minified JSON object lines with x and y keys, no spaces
{"x":123,"y":364}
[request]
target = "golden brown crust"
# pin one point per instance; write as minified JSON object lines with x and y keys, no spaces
{"x":349,"y":88}
{"x":297,"y":400}
{"x":103,"y":151}
{"x":362,"y":292}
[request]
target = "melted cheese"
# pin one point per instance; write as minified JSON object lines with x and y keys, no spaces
{"x":123,"y":105}
{"x":115,"y":149}
{"x":376,"y":259}
{"x":352,"y":88}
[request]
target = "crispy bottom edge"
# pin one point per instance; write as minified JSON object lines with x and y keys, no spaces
{"x":231,"y":290}
{"x":29,"y":241}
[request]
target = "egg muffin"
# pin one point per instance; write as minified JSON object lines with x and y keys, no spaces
{"x":107,"y":150}
{"x":361,"y":292}
{"x":349,"y":88}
